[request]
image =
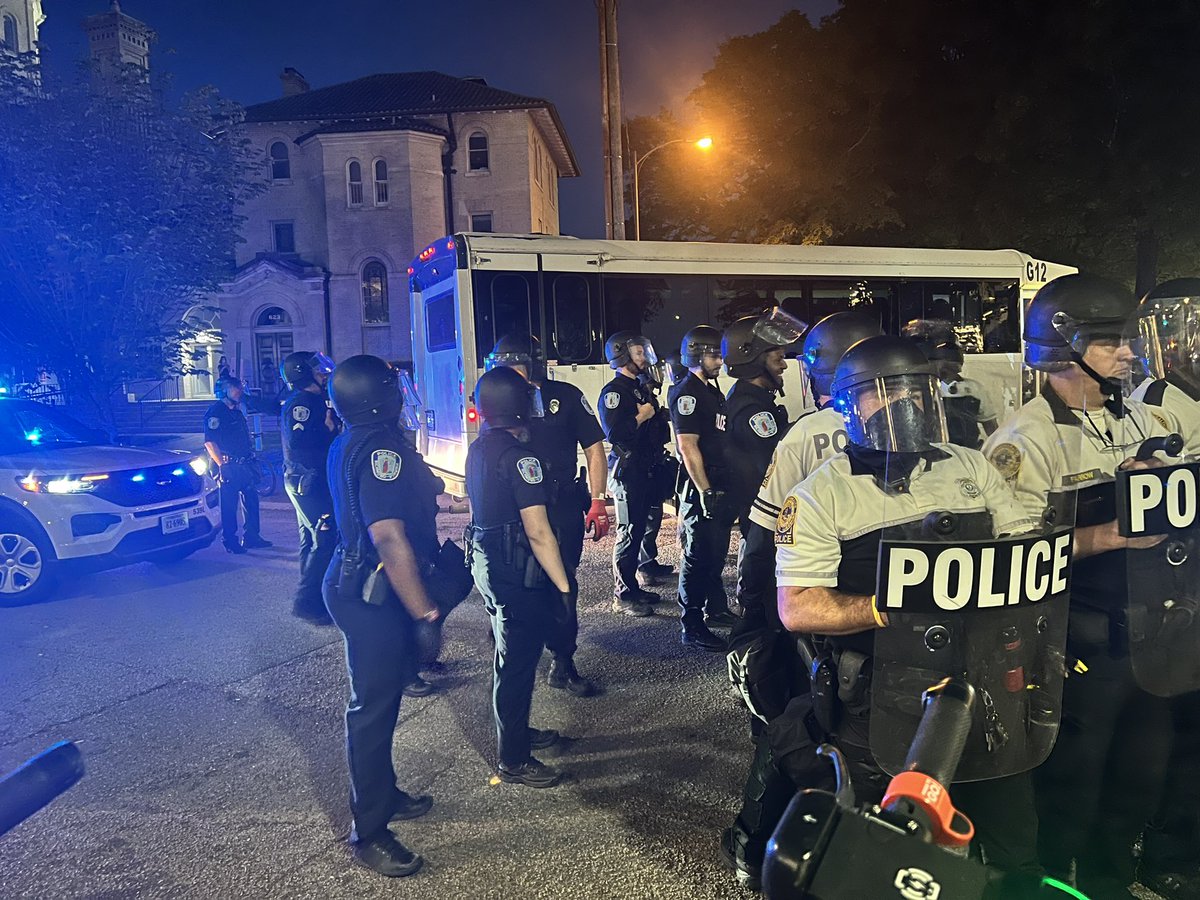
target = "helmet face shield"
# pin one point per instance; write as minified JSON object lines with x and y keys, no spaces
{"x":1110,"y":349}
{"x":536,"y":408}
{"x":779,"y":328}
{"x":654,"y":374}
{"x":1170,"y":338}
{"x":321,"y":363}
{"x":895,"y":414}
{"x":492,"y":360}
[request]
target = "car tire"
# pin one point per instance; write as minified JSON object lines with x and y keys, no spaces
{"x":28,"y":566}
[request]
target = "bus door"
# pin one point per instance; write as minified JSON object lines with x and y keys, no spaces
{"x":438,"y":354}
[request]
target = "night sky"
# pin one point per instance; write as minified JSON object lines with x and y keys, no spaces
{"x":544,"y":48}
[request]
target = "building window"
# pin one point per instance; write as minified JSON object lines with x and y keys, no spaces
{"x":381,"y":191}
{"x":354,"y":184}
{"x":273,"y":317}
{"x":284,"y":235}
{"x":477,"y":152}
{"x":10,"y":34}
{"x":281,"y":166}
{"x":481,"y":222}
{"x":375,"y":293}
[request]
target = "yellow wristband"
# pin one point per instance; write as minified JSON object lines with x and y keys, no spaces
{"x":879,"y":622}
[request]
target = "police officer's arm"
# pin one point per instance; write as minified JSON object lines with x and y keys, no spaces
{"x":689,"y":452}
{"x":400,"y":566}
{"x":808,"y":554}
{"x":590,"y":436}
{"x":544,"y":546}
{"x":212,"y":427}
{"x":597,"y":469}
{"x":215,"y":452}
{"x":619,"y":418}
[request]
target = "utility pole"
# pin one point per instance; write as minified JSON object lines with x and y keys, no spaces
{"x":610,"y":94}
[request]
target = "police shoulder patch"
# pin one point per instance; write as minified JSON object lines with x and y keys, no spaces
{"x":553,"y":407}
{"x":587,"y":406}
{"x":785,"y":525}
{"x":611,"y":400}
{"x":385,"y":465}
{"x":530,"y":468}
{"x":213,"y":423}
{"x":763,"y":424}
{"x":300,"y":412}
{"x":1007,"y":460}
{"x":686,"y":405}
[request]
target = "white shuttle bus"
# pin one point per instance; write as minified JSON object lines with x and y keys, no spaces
{"x":467,"y":290}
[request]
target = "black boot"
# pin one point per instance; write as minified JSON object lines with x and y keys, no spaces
{"x":565,"y":677}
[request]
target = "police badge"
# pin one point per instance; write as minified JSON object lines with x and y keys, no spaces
{"x":553,"y":407}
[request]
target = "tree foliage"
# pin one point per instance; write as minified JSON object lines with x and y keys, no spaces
{"x":120,"y":211}
{"x":1064,"y":129}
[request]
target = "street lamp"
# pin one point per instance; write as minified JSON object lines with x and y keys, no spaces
{"x":704,"y":143}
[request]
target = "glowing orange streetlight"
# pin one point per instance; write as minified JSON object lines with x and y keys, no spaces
{"x":704,"y":143}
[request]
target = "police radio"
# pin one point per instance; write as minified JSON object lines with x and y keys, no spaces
{"x":912,"y":846}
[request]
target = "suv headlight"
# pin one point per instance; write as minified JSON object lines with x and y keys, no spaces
{"x":61,"y":484}
{"x":199,"y":465}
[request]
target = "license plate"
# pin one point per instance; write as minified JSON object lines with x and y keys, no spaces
{"x":173,"y":523}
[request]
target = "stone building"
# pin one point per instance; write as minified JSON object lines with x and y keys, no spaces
{"x":19,"y":24}
{"x":361,"y":177}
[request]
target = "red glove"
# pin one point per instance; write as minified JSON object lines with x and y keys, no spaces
{"x":596,"y":520}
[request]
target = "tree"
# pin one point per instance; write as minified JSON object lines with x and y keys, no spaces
{"x":120,"y":212}
{"x":1062,"y":129}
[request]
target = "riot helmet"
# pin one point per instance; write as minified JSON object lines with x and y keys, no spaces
{"x":518,"y":349}
{"x":701,"y":341}
{"x":887,"y":391}
{"x":229,"y":387}
{"x":365,"y":390}
{"x":674,"y":369}
{"x":618,"y":350}
{"x":1169,"y":325}
{"x":305,"y":367}
{"x":504,"y":399}
{"x":828,"y":340}
{"x":748,"y":341}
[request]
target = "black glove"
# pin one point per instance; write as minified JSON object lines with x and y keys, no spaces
{"x":562,"y":609}
{"x":710,"y":502}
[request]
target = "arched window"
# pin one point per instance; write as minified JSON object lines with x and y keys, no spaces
{"x":477,"y":152}
{"x":381,"y":191}
{"x":354,"y":184}
{"x":375,"y":293}
{"x":281,"y":166}
{"x":273,"y":317}
{"x":10,"y":34}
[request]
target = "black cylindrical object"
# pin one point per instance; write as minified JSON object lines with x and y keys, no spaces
{"x":942,"y":732}
{"x":1171,"y":445}
{"x":27,"y":789}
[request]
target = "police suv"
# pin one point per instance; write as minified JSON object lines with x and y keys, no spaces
{"x":68,"y":497}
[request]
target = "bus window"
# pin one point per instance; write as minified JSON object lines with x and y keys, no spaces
{"x":984,"y":314}
{"x":660,"y":307}
{"x":829,"y":297}
{"x":732,"y":298}
{"x":572,"y":339}
{"x":504,"y":304}
{"x":440,"y":333}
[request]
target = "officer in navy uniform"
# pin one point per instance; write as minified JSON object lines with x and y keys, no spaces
{"x":307,"y":428}
{"x":627,"y":414}
{"x":664,"y":471}
{"x":227,"y":439}
{"x":517,"y":566}
{"x":568,"y":423}
{"x":385,"y":509}
{"x":698,"y":414}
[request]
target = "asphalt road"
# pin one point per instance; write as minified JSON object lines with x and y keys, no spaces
{"x":211,"y":725}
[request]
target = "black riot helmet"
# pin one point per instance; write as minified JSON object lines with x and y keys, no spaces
{"x":748,"y":340}
{"x":1067,"y":313}
{"x":887,"y":391}
{"x":518,"y":349}
{"x":697,"y":343}
{"x":305,"y":367}
{"x":223,"y":385}
{"x":828,"y":340}
{"x":616,"y":349}
{"x":365,"y":390}
{"x":1169,"y":324}
{"x":503,"y":398}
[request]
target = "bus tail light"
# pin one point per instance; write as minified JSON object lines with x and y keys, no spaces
{"x":472,"y":415}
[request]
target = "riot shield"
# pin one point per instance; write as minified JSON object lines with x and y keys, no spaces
{"x":973,"y":582}
{"x":1159,"y":506}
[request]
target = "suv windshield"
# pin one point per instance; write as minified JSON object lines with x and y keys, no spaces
{"x":32,"y":426}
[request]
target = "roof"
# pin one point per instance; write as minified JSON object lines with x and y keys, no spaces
{"x":403,"y":94}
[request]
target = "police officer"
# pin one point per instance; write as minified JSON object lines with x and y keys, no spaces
{"x":385,"y":509}
{"x":897,"y":468}
{"x":627,"y":414}
{"x":1099,"y":785}
{"x":227,"y":439}
{"x":698,"y":415}
{"x":567,"y":423}
{"x":664,"y":470}
{"x":517,"y":565}
{"x":1169,"y":322}
{"x":307,"y":429}
{"x":759,"y":639}
{"x":963,"y":399}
